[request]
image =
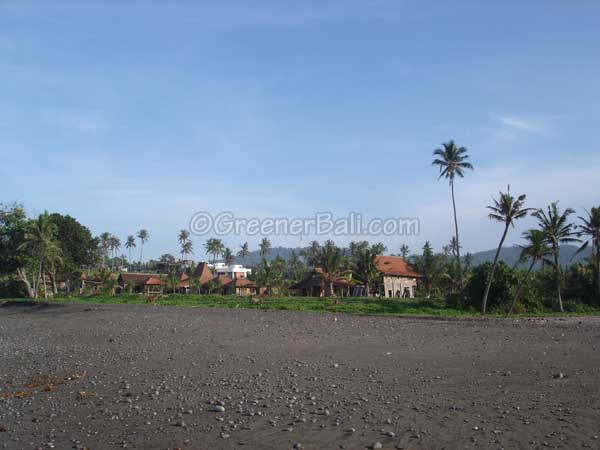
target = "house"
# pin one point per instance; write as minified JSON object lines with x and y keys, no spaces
{"x":316,"y":284}
{"x":399,"y":278}
{"x":232,"y":271}
{"x":141,"y":283}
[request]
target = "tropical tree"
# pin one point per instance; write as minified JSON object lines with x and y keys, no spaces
{"x":228,"y":256}
{"x":129,"y":244}
{"x":506,"y":210}
{"x":187,"y":248}
{"x":451,"y":161}
{"x":108,"y":282}
{"x":183,"y":236}
{"x":431,"y":268}
{"x":269,"y":275}
{"x":214,"y":247}
{"x":364,"y":267}
{"x":404,"y":251}
{"x":244,"y":251}
{"x":195,"y":284}
{"x":265,"y":247}
{"x":104,"y":246}
{"x":114,"y":244}
{"x":590,"y":228}
{"x":333,"y":262}
{"x":40,"y":241}
{"x":311,"y":253}
{"x":173,"y":282}
{"x":143,"y":236}
{"x":535,"y":250}
{"x":294,"y":266}
{"x":558,"y":230}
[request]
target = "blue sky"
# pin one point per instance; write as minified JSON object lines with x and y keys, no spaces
{"x":137,"y":114}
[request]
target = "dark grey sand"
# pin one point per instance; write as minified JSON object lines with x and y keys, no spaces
{"x":148,"y":377}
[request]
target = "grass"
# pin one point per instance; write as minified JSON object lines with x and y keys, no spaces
{"x":419,"y":307}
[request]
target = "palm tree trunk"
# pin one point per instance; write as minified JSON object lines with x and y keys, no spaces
{"x":141,"y":253}
{"x":491,"y":276}
{"x":460,"y":279}
{"x":558,"y":276}
{"x":22,"y":274}
{"x":514,"y":302}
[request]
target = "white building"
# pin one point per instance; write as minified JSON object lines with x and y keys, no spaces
{"x":232,"y":271}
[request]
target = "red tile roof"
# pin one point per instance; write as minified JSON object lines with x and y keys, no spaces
{"x":395,"y":265}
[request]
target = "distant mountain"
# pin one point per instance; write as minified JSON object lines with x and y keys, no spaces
{"x":510,"y":255}
{"x":254,"y":257}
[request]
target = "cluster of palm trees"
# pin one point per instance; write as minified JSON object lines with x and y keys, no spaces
{"x":543,"y":244}
{"x":109,"y":245}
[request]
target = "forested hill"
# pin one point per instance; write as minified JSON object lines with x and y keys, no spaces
{"x":510,"y":255}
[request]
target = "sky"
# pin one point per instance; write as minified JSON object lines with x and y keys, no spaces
{"x":137,"y":114}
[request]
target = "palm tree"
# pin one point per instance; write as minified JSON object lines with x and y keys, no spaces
{"x":506,"y":210}
{"x":311,"y":253}
{"x":40,"y":240}
{"x":228,"y":257}
{"x":404,"y":251}
{"x":214,"y":247}
{"x":173,"y":282}
{"x":129,"y":244}
{"x":265,"y":247}
{"x":143,"y":236}
{"x":114,"y":245}
{"x":187,"y":248}
{"x":365,"y":268}
{"x":535,"y":250}
{"x":591,"y":228}
{"x":269,"y":275}
{"x":558,"y":231}
{"x":333,"y":262}
{"x":183,"y":236}
{"x":243,"y":252}
{"x":452,"y":161}
{"x":104,"y":246}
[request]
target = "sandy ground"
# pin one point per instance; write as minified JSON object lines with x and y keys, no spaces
{"x":147,"y":377}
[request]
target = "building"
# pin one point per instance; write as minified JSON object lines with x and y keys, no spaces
{"x":232,"y":271}
{"x":399,"y":278}
{"x":141,"y":283}
{"x":316,"y":284}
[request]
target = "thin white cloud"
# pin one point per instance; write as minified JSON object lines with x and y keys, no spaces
{"x":522,"y":124}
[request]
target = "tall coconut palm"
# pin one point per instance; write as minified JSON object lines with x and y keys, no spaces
{"x":187,"y":248}
{"x":40,"y":241}
{"x":311,"y":253}
{"x":244,"y":251}
{"x":228,"y":256}
{"x":104,"y":246}
{"x":143,"y":236}
{"x":265,"y":247}
{"x":505,"y":210}
{"x":591,"y":229}
{"x":452,"y":162}
{"x":183,"y":236}
{"x":404,"y":251}
{"x":115,"y":245}
{"x":558,"y":230}
{"x":214,"y":247}
{"x":535,"y":250}
{"x":129,"y":244}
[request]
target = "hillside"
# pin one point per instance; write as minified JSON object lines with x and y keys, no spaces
{"x":510,"y":255}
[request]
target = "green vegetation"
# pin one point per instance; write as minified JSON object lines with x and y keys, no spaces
{"x":420,"y":307}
